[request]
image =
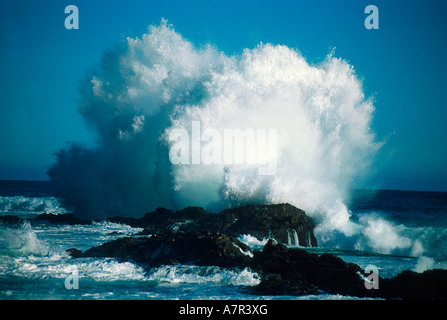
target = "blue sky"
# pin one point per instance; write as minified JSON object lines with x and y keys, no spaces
{"x":403,"y":66}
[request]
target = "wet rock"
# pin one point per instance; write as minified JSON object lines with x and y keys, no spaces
{"x":294,"y":271}
{"x":67,"y":218}
{"x":284,"y":222}
{"x":290,"y":285}
{"x":307,"y":273}
{"x":75,"y":253}
{"x":163,"y":220}
{"x":11,"y":220}
{"x":410,"y":285}
{"x":197,"y":248}
{"x":283,"y":270}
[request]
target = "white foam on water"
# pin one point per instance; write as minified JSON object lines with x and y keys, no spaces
{"x":252,"y":241}
{"x":204,"y":275}
{"x":26,"y":206}
{"x":22,"y":241}
{"x":153,"y":85}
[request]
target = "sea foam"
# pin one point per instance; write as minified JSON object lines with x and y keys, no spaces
{"x":147,"y":87}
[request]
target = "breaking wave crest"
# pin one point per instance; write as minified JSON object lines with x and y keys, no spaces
{"x":151,"y":85}
{"x":199,"y":274}
{"x":148,"y":87}
{"x":23,"y":205}
{"x":22,"y":241}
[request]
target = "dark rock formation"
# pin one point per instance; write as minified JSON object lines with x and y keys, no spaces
{"x":306,"y":273}
{"x":283,"y":271}
{"x":75,"y":253}
{"x":67,"y":218}
{"x":194,"y":236}
{"x":290,"y":285}
{"x":163,"y":220}
{"x":11,"y":220}
{"x":296,"y":272}
{"x":198,"y":248}
{"x":284,"y":222}
{"x":409,"y":285}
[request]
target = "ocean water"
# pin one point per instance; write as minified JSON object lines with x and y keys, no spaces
{"x":34,"y":263}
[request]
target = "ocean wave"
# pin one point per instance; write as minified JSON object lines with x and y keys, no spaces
{"x":22,"y":241}
{"x":106,"y":269}
{"x":26,"y":206}
{"x":252,"y":242}
{"x":152,"y":86}
{"x":426,"y":263}
{"x":204,"y":275}
{"x":376,"y":233}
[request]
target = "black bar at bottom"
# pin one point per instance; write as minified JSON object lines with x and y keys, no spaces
{"x":217,"y":309}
